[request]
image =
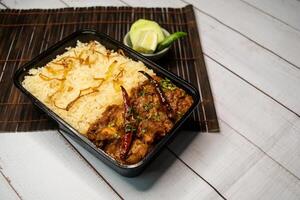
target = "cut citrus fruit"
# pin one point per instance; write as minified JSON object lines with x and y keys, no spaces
{"x":142,"y":25}
{"x":146,"y":42}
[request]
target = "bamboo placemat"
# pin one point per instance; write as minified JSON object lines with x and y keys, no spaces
{"x":26,"y":33}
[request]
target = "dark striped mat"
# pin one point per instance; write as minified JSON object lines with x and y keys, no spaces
{"x":26,"y":33}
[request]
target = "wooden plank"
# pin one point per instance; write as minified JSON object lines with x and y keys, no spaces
{"x":43,"y":166}
{"x":28,"y":4}
{"x":224,"y":160}
{"x":259,"y":119}
{"x":6,"y":192}
{"x":276,"y":37}
{"x":265,"y":130}
{"x":220,"y":158}
{"x":157,"y":181}
{"x":88,"y":3}
{"x":39,"y":163}
{"x":259,"y":67}
{"x":287,"y":11}
{"x":286,"y":150}
{"x":265,"y":180}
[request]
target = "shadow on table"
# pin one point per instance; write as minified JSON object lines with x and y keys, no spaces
{"x":162,"y":165}
{"x":158,"y":169}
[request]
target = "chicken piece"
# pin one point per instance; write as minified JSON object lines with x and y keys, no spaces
{"x":113,"y":150}
{"x":179,"y":101}
{"x":107,"y":133}
{"x":137,"y":152}
{"x":107,"y":127}
{"x":150,"y":130}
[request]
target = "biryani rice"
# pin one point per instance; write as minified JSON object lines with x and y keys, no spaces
{"x":82,"y":82}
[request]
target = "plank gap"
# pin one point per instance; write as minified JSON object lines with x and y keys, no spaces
{"x":197,"y":174}
{"x":245,"y":36}
{"x":243,"y":79}
{"x":90,"y":165}
{"x":270,"y":15}
{"x":10,"y":184}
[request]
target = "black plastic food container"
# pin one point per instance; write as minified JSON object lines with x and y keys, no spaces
{"x":109,"y":43}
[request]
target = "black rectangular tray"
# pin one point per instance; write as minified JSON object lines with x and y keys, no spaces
{"x":109,"y":43}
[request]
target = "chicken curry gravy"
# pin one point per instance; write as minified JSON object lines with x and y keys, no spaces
{"x":129,"y":131}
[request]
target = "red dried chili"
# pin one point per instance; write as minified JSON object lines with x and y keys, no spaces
{"x":126,"y":139}
{"x":161,"y":95}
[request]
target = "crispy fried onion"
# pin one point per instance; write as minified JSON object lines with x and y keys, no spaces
{"x":117,"y":81}
{"x":107,"y":54}
{"x":82,"y":93}
{"x":80,"y":96}
{"x":46,"y":78}
{"x":66,"y":63}
{"x":51,"y":70}
{"x":116,"y":75}
{"x":88,"y":56}
{"x":98,"y":78}
{"x":121,"y":52}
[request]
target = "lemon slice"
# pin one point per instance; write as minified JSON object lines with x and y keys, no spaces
{"x":147,"y":42}
{"x":145,"y":25}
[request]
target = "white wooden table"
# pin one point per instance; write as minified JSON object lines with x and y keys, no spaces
{"x":252,"y":52}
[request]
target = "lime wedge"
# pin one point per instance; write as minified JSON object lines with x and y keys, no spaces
{"x":142,"y":25}
{"x":147,"y":42}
